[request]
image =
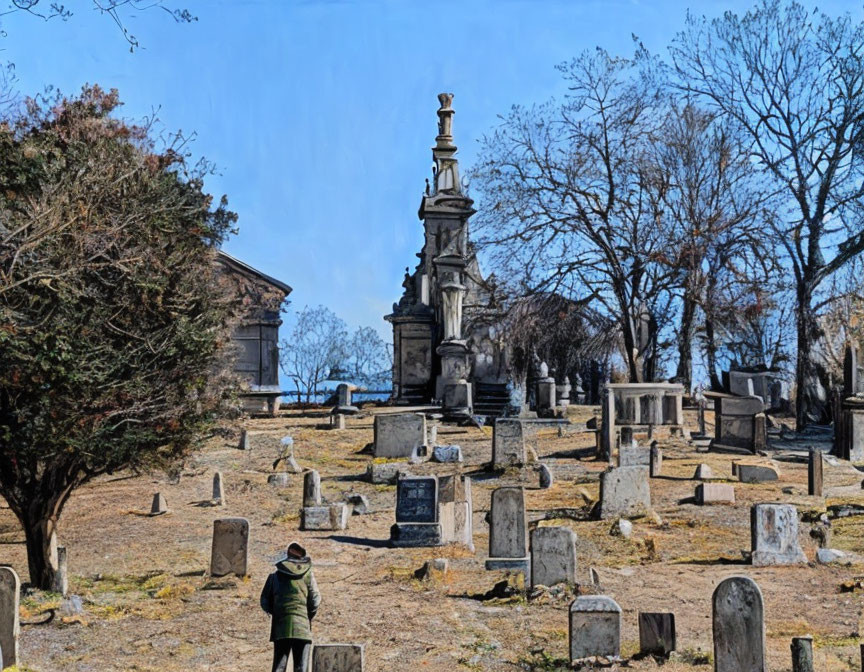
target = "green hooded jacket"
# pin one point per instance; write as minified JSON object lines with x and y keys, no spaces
{"x":291,"y":598}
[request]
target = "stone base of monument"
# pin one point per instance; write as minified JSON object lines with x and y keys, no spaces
{"x":509,"y":564}
{"x":332,"y":517}
{"x":416,"y":535}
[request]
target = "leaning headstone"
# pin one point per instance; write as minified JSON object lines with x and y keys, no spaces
{"x":655,"y":465}
{"x":802,"y":654}
{"x":10,"y":592}
{"x":337,"y":658}
{"x":61,"y":577}
{"x":417,"y":522}
{"x":508,"y":443}
{"x":159,"y":505}
{"x":218,"y":489}
{"x":739,"y":626}
{"x":399,"y":434}
{"x":624,"y":492}
{"x":553,"y":556}
{"x":508,"y":530}
{"x":230,"y":551}
{"x":545,"y":477}
{"x":656,"y":633}
{"x":814,"y":473}
{"x":774,"y":535}
{"x":595,"y":627}
{"x":756,"y":473}
{"x":312,"y":489}
{"x":244,"y":440}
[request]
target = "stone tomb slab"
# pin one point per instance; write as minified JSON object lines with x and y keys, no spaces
{"x":595,"y":627}
{"x":739,"y":626}
{"x":508,"y":444}
{"x":10,"y":592}
{"x":553,"y":556}
{"x":624,"y":492}
{"x":774,"y":535}
{"x":337,"y":658}
{"x":399,"y":434}
{"x":230,"y":550}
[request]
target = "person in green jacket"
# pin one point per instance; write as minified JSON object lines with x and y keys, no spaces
{"x":291,"y":598}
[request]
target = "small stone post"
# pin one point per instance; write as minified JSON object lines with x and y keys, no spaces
{"x":814,"y":473}
{"x":802,"y":654}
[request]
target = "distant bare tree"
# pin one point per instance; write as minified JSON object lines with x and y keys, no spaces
{"x":566,"y":209}
{"x":318,"y":345}
{"x":369,"y":359}
{"x":794,"y":81}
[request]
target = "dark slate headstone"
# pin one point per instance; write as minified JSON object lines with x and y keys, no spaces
{"x":739,"y":626}
{"x":656,"y":633}
{"x":545,"y":477}
{"x":802,"y":654}
{"x":337,"y":658}
{"x":417,"y":499}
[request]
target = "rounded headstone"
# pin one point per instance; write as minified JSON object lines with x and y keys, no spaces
{"x":739,"y":626}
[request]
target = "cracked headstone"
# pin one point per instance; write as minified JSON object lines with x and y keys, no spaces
{"x":739,"y":626}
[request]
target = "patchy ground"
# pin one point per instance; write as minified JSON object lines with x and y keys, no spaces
{"x":148,"y":605}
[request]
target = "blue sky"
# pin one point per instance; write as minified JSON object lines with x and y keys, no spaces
{"x":320,"y":114}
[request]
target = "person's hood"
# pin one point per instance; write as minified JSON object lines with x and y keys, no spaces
{"x":295,"y":569}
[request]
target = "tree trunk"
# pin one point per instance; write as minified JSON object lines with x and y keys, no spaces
{"x":807,"y":405}
{"x":40,"y":528}
{"x":711,"y":354}
{"x":684,"y":373}
{"x":631,"y":351}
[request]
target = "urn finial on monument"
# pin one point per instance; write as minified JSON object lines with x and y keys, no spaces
{"x":445,"y":120}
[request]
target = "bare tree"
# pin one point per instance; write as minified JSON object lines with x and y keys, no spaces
{"x":318,"y":345}
{"x":370,"y":360}
{"x":794,"y":81}
{"x":566,"y":208}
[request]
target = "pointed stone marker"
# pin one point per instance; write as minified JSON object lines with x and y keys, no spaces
{"x":159,"y":505}
{"x":739,"y":626}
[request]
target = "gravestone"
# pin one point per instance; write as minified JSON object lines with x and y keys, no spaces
{"x":774,"y":535}
{"x":280,"y":480}
{"x":814,"y":473}
{"x":61,"y":577}
{"x":607,"y":429}
{"x":802,"y":654}
{"x":344,"y":400}
{"x":715,"y":493}
{"x":624,"y":491}
{"x":447,"y":454}
{"x":328,"y":517}
{"x":399,"y":434}
{"x":595,"y":627}
{"x":385,"y":473}
{"x":553,"y":556}
{"x":656,"y":633}
{"x":312,"y":489}
{"x":218,"y":489}
{"x":455,"y":510}
{"x":703,"y":472}
{"x":655,"y":465}
{"x":634,"y":456}
{"x":756,"y":473}
{"x":244,"y":440}
{"x":417,"y":522}
{"x":159,"y":505}
{"x":850,"y":372}
{"x":544,"y":477}
{"x":230,"y":551}
{"x":626,"y":439}
{"x":508,"y":444}
{"x":508,"y":530}
{"x":739,"y":626}
{"x":337,"y":658}
{"x":10,"y":592}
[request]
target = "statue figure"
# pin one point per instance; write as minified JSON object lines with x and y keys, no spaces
{"x":446,"y":100}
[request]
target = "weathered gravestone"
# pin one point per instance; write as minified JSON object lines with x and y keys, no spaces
{"x":634,"y":456}
{"x":218,"y":489}
{"x":553,"y":556}
{"x":544,"y":474}
{"x":10,"y":591}
{"x":607,"y":429}
{"x":774,"y":535}
{"x":61,"y":576}
{"x":243,"y":444}
{"x":447,"y":453}
{"x":655,"y":464}
{"x":328,"y":517}
{"x":739,"y":626}
{"x":508,"y":443}
{"x":624,"y":491}
{"x":656,"y":633}
{"x":595,"y":627}
{"x":814,"y":473}
{"x":230,"y":551}
{"x":802,"y":654}
{"x":399,"y":434}
{"x":756,"y":473}
{"x":312,"y":489}
{"x":337,"y":658}
{"x":508,"y":530}
{"x":455,"y":510}
{"x":715,"y":493}
{"x":417,"y":522}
